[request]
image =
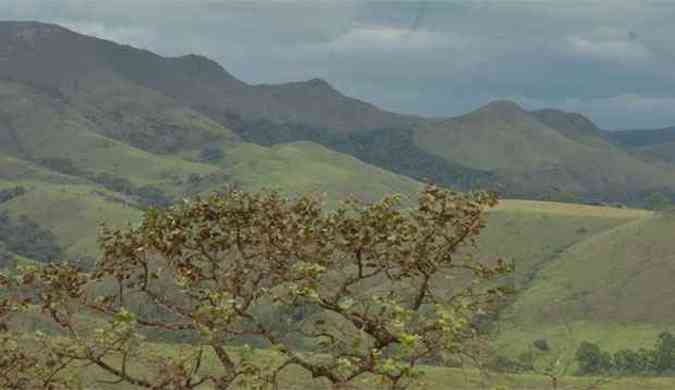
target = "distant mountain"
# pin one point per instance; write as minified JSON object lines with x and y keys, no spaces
{"x":543,"y":153}
{"x":572,"y":125}
{"x":89,"y":132}
{"x":640,"y":138}
{"x":179,"y":105}
{"x":56,"y":59}
{"x":656,"y":146}
{"x":92,"y":131}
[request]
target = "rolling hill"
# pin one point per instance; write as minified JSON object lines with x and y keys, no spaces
{"x":81,"y":143}
{"x":56,"y":59}
{"x":656,"y":146}
{"x":173,"y":106}
{"x":92,"y":131}
{"x":531,"y":155}
{"x":613,"y":288}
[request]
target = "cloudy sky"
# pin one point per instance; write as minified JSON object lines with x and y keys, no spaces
{"x":613,"y":60}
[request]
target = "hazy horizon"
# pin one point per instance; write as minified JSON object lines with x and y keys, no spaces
{"x":431,"y":58}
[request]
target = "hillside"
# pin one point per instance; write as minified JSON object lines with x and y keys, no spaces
{"x":115,"y":148}
{"x":640,"y":138}
{"x":572,"y":125}
{"x":613,"y":288}
{"x":173,"y":106}
{"x":657,"y":146}
{"x":531,"y":157}
{"x":92,"y":131}
{"x":56,"y":59}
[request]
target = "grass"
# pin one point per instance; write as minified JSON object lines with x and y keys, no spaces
{"x":43,"y":129}
{"x":72,"y":213}
{"x":14,"y":170}
{"x":558,"y":251}
{"x":532,"y":157}
{"x":622,"y":274}
{"x":138,"y":115}
{"x":308,"y":167}
{"x":596,"y":267}
{"x":434,"y":378}
{"x":614,"y":288}
{"x":531,"y":233}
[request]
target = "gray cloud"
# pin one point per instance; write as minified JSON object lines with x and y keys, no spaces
{"x":610,"y":59}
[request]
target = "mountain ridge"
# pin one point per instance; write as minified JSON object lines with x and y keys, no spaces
{"x":500,"y":146}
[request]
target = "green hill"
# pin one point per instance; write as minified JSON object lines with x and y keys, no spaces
{"x":531,"y":234}
{"x":92,"y":131}
{"x":572,"y":125}
{"x":308,"y":167}
{"x":174,"y":106}
{"x":72,"y":213}
{"x":115,"y":147}
{"x":613,"y":288}
{"x":532,"y":158}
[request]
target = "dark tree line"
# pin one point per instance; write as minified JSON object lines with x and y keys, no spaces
{"x":27,"y":238}
{"x":147,"y":196}
{"x":8,"y":194}
{"x":658,"y":360}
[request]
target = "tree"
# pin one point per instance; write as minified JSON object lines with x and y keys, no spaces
{"x":664,"y":353}
{"x":381,"y":289}
{"x":658,"y":201}
{"x":591,"y":360}
{"x":627,"y":361}
{"x":211,"y":153}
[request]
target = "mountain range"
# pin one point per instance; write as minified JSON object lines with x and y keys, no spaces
{"x":105,"y":130}
{"x":93,"y":131}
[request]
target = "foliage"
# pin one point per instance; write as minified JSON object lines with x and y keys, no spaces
{"x":21,"y":366}
{"x":27,"y":238}
{"x":591,"y":360}
{"x":658,"y":201}
{"x":211,"y":153}
{"x":382,"y":289}
{"x":8,"y":194}
{"x":541,"y":344}
{"x":664,"y":352}
{"x":659,"y":360}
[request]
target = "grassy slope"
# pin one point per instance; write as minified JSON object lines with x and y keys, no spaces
{"x":495,"y":136}
{"x":88,"y":129}
{"x":534,"y":157}
{"x":532,"y":233}
{"x":72,"y":213}
{"x":549,"y":228}
{"x":614,"y":288}
{"x":664,"y":152}
{"x":435,"y":378}
{"x":14,"y":171}
{"x":45,"y":129}
{"x":143,"y":117}
{"x":304,"y":167}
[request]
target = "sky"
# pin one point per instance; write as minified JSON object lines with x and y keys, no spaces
{"x":612,"y":60}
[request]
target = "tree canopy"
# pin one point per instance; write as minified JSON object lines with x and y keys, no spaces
{"x":372,"y":290}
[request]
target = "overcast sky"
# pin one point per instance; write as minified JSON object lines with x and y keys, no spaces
{"x":613,"y":60}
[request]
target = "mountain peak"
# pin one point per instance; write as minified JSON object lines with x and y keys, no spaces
{"x":204,"y":67}
{"x":316,"y":85}
{"x":571,"y":124}
{"x":500,"y":110}
{"x":27,"y":33}
{"x":502,"y":106}
{"x":319,"y":82}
